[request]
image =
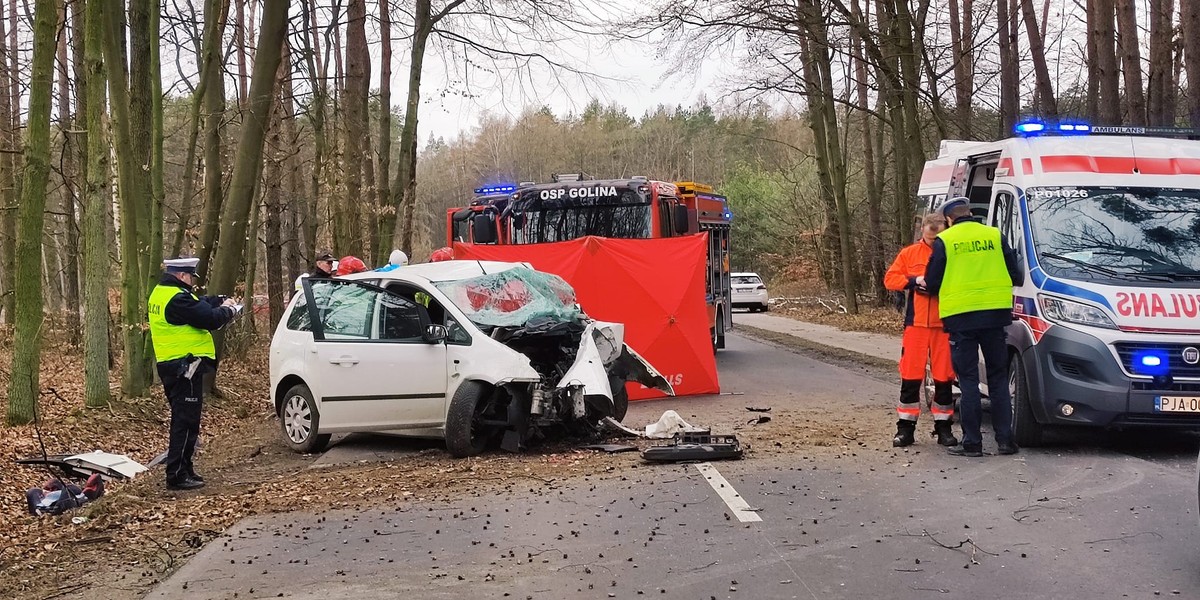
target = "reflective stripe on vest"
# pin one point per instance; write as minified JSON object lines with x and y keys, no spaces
{"x":976,"y":277}
{"x":175,"y":341}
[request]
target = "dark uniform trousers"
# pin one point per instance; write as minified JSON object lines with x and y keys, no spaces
{"x":965,"y":347}
{"x":186,"y":397}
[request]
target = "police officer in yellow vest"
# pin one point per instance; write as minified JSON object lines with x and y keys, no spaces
{"x":972,"y":271}
{"x":180,"y":326}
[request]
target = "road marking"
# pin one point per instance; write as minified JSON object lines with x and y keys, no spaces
{"x":732,"y":499}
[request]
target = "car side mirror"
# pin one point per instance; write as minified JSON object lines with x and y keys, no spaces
{"x":435,"y":334}
{"x":483,"y":229}
{"x":682,"y":224}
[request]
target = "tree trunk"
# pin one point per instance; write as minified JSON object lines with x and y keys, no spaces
{"x":317,"y":73}
{"x":248,"y":161}
{"x":404,"y":188}
{"x":96,"y":195}
{"x":151,"y":83}
{"x":1010,"y":101}
{"x":1189,"y":22}
{"x":239,"y":43}
{"x":132,"y":190}
{"x":214,"y":109}
{"x":298,"y":242}
{"x":1044,"y":102}
{"x":875,"y":258}
{"x":8,"y":194}
{"x":1104,"y":32}
{"x":348,"y":220}
{"x":1131,"y":60}
{"x":24,"y":387}
{"x":1093,"y":65}
{"x":385,"y":128}
{"x":1161,"y":82}
{"x":70,"y":175}
{"x":822,"y":115}
{"x":273,"y":178}
{"x":961,"y":43}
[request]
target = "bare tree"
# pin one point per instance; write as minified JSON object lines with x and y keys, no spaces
{"x":93,"y":84}
{"x":1131,"y":60}
{"x":1190,"y":24}
{"x":1161,"y":79}
{"x":1104,"y":34}
{"x":1044,"y":100}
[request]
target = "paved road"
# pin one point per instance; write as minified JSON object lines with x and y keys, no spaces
{"x":1098,"y":516}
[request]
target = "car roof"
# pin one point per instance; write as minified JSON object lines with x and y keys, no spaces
{"x":436,"y":272}
{"x":746,"y":274}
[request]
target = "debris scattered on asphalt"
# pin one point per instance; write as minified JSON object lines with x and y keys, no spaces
{"x":695,"y":446}
{"x":759,"y":420}
{"x":758,"y":408}
{"x":669,"y":425}
{"x":610,"y":448}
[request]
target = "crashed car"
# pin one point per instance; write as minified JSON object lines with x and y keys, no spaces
{"x":476,"y":353}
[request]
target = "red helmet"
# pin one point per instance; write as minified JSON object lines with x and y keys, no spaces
{"x":441,"y":254}
{"x":349,"y":265}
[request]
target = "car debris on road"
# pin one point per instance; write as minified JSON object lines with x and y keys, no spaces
{"x":695,"y":446}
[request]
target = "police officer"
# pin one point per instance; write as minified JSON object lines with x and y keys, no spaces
{"x":323,"y":267}
{"x":972,"y":271}
{"x":180,"y":326}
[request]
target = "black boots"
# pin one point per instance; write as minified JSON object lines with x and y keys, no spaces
{"x":944,"y":433}
{"x":904,"y":433}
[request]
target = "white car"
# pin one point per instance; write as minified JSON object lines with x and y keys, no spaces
{"x":476,"y":353}
{"x":749,"y":291}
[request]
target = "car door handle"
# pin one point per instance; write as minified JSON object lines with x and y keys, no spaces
{"x":344,"y":360}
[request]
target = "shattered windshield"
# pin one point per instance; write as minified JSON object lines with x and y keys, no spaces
{"x":512,"y":298}
{"x":1117,"y":233}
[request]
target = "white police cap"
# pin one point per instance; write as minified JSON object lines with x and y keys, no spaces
{"x":181,"y":265}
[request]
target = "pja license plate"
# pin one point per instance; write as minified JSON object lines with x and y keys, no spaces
{"x":1185,"y":404}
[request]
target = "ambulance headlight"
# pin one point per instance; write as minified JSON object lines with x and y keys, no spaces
{"x":1060,"y":310}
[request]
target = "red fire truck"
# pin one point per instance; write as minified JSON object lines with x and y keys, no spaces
{"x":573,"y":206}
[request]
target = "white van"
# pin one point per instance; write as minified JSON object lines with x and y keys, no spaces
{"x":1106,"y":222}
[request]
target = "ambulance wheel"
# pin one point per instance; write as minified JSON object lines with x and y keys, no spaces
{"x":1026,"y":430}
{"x":300,"y":421}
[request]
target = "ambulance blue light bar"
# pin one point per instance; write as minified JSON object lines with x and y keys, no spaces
{"x":1035,"y":127}
{"x":1029,"y":128}
{"x":496,"y":189}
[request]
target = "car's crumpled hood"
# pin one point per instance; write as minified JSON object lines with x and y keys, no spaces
{"x":602,"y":351}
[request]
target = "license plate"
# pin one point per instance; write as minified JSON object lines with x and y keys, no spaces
{"x":1186,"y":404}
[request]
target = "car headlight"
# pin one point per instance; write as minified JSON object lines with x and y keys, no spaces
{"x":1060,"y":310}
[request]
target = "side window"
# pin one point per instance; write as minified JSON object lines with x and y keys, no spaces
{"x":298,"y":319}
{"x":664,"y":218}
{"x":435,"y":313}
{"x":1007,"y":218}
{"x":346,"y":311}
{"x":399,"y":319}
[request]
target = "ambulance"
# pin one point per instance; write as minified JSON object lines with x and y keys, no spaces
{"x":1106,"y":223}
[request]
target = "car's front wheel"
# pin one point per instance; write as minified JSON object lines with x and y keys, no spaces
{"x":466,"y":435}
{"x":299,"y":421}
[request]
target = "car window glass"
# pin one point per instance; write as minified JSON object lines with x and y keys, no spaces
{"x":298,"y":319}
{"x":347,"y":310}
{"x":399,"y":319}
{"x":455,"y":332}
{"x":746,"y":280}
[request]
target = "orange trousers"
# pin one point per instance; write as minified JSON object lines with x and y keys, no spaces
{"x":923,"y":345}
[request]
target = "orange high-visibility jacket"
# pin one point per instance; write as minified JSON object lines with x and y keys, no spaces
{"x":920,"y":309}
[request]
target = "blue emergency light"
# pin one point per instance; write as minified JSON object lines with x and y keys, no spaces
{"x":1029,"y":127}
{"x":1155,"y":363}
{"x":496,"y":189}
{"x":1074,"y":128}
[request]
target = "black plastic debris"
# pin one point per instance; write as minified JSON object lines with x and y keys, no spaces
{"x":759,"y":420}
{"x":695,"y":446}
{"x":610,"y":448}
{"x":758,"y":408}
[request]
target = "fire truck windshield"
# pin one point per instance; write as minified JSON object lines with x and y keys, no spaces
{"x":557,"y":217}
{"x":1117,"y":233}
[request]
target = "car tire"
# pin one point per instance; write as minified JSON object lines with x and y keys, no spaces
{"x":620,"y":400}
{"x":300,"y":421}
{"x":764,"y":308}
{"x":719,"y":332}
{"x":1026,"y":430}
{"x":464,"y":436}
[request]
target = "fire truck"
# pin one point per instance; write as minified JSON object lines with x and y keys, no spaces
{"x":572,"y":206}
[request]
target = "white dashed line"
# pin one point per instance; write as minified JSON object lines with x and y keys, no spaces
{"x":732,"y":499}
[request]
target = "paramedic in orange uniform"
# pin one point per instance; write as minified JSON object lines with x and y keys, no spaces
{"x":924,"y":341}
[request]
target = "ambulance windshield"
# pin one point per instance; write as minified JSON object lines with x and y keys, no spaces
{"x":1117,"y":233}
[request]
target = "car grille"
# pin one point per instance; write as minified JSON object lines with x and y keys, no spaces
{"x":1178,"y":368}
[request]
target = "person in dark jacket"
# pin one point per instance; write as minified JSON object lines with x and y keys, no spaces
{"x":323,"y":267}
{"x":180,"y":327}
{"x":972,"y":271}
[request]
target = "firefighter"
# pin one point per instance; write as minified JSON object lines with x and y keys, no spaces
{"x":924,"y":341}
{"x":180,"y":326}
{"x":972,"y":271}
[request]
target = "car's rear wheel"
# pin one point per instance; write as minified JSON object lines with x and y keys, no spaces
{"x":300,"y":421}
{"x":466,"y":435}
{"x":764,"y":307}
{"x":1026,"y":430}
